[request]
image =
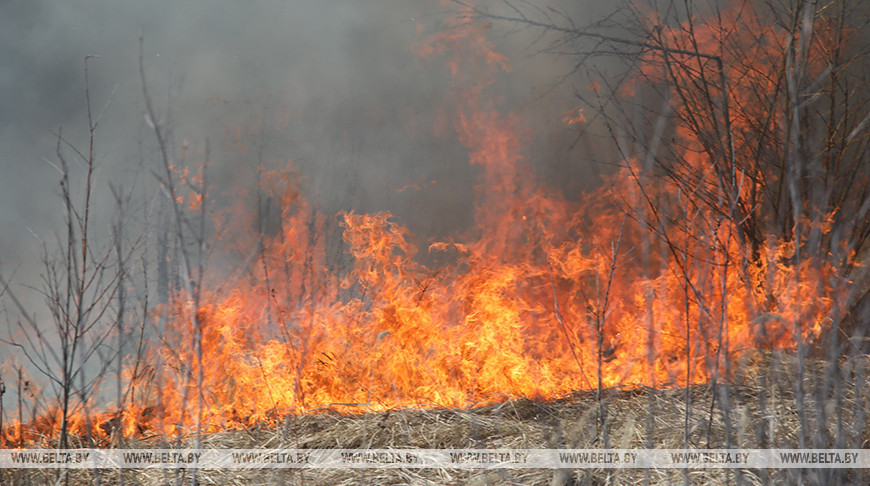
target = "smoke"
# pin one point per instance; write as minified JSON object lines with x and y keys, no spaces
{"x":332,"y":85}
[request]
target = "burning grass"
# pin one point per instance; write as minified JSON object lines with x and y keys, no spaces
{"x":761,"y":412}
{"x":650,"y":295}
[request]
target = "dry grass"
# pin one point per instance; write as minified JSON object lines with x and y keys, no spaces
{"x":762,"y":412}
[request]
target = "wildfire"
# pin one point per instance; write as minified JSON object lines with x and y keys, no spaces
{"x":548,"y":296}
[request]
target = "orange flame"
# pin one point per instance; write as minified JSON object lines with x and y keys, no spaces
{"x":549,"y":296}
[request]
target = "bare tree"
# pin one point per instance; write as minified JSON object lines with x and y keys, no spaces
{"x":190,"y":231}
{"x":771,"y":94}
{"x":79,"y":283}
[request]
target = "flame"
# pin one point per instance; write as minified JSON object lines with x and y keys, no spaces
{"x":546,"y":297}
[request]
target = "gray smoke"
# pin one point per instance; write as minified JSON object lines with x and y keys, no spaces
{"x":333,"y":85}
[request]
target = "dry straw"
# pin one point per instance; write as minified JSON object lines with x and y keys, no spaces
{"x":763,"y":413}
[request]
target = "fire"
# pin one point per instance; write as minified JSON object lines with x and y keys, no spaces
{"x":548,"y":296}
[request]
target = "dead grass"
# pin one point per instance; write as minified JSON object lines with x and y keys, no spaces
{"x":762,"y":412}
